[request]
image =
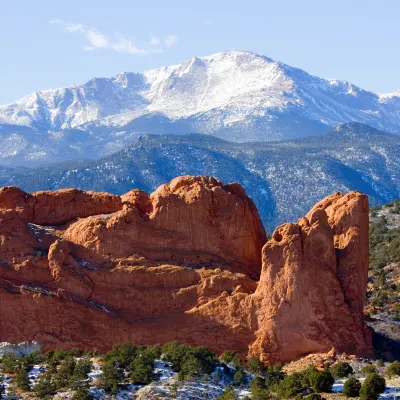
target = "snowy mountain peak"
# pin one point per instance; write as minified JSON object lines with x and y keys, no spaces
{"x":237,"y":95}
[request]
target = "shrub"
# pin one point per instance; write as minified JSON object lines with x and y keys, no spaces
{"x":227,"y":356}
{"x":341,"y":370}
{"x":313,"y":396}
{"x":290,"y":386}
{"x":239,"y":377}
{"x":45,"y":386}
{"x":260,"y":394}
{"x":306,"y":375}
{"x":189,"y":361}
{"x":121,"y":355}
{"x":352,"y":387}
{"x":229,"y":394}
{"x":154,"y":352}
{"x":81,"y":394}
{"x":372,"y":387}
{"x":110,"y":378}
{"x":368,"y":369}
{"x":192,"y":367}
{"x":33,"y":358}
{"x":393,"y":369}
{"x":232,"y":358}
{"x":175,"y":353}
{"x":258,"y":383}
{"x":81,"y":370}
{"x":255,"y":366}
{"x":65,"y":372}
{"x":142,"y":372}
{"x":22,"y":379}
{"x":273,"y":378}
{"x":54,"y":358}
{"x":321,"y":381}
{"x":9,"y":364}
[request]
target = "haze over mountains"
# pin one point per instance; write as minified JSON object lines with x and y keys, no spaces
{"x":238,"y":96}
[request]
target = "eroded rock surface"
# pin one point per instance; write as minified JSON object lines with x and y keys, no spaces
{"x":189,"y":262}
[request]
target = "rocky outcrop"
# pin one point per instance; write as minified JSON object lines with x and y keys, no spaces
{"x":20,"y":349}
{"x":58,"y":207}
{"x":189,"y":262}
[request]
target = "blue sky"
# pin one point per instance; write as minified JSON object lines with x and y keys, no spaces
{"x":55,"y":43}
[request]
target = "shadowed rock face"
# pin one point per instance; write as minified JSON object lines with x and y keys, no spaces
{"x":189,"y":262}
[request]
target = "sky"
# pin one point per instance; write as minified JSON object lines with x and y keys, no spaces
{"x":55,"y":43}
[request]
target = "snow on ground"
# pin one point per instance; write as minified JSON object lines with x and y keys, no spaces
{"x":392,"y":391}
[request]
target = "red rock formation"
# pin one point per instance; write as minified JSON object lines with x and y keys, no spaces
{"x":183,"y":263}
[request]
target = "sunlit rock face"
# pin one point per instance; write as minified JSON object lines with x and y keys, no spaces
{"x":188,"y":262}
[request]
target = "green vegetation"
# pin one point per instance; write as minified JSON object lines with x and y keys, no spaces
{"x":368,"y":369}
{"x":239,"y":377}
{"x":110,"y":378}
{"x":189,"y":361}
{"x":65,"y":372}
{"x":127,"y":364}
{"x":384,"y":249}
{"x":45,"y":386}
{"x":321,"y":381}
{"x":232,"y":358}
{"x":229,"y":394}
{"x":352,"y":387}
{"x":22,"y":379}
{"x":81,"y":394}
{"x":255,"y":366}
{"x":313,"y":396}
{"x":393,"y":369}
{"x":373,"y":386}
{"x":341,"y":370}
{"x":81,"y":370}
{"x":291,"y":386}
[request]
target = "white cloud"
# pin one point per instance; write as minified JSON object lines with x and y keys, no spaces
{"x":96,"y":39}
{"x":116,"y":42}
{"x":68,"y":26}
{"x":207,"y":21}
{"x":170,"y":40}
{"x":155,"y":41}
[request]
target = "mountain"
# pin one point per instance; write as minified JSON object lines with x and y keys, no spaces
{"x":283,"y":178}
{"x":237,"y":95}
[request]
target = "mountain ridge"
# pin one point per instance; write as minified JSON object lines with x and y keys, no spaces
{"x":237,"y":95}
{"x":284,"y":178}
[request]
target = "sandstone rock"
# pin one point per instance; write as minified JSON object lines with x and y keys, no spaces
{"x":188,"y":262}
{"x":58,"y":207}
{"x":301,"y":290}
{"x":194,"y":221}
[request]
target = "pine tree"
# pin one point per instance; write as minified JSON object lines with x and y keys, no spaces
{"x":22,"y":379}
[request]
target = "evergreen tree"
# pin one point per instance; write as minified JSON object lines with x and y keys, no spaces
{"x":255,"y":366}
{"x":373,"y":386}
{"x":22,"y":379}
{"x":82,"y":393}
{"x":111,"y":377}
{"x":65,"y":372}
{"x":352,"y":387}
{"x":45,"y":386}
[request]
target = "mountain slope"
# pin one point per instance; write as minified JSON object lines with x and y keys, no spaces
{"x":236,"y":95}
{"x":283,"y":178}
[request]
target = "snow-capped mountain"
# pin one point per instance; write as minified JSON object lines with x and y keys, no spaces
{"x":235,"y":95}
